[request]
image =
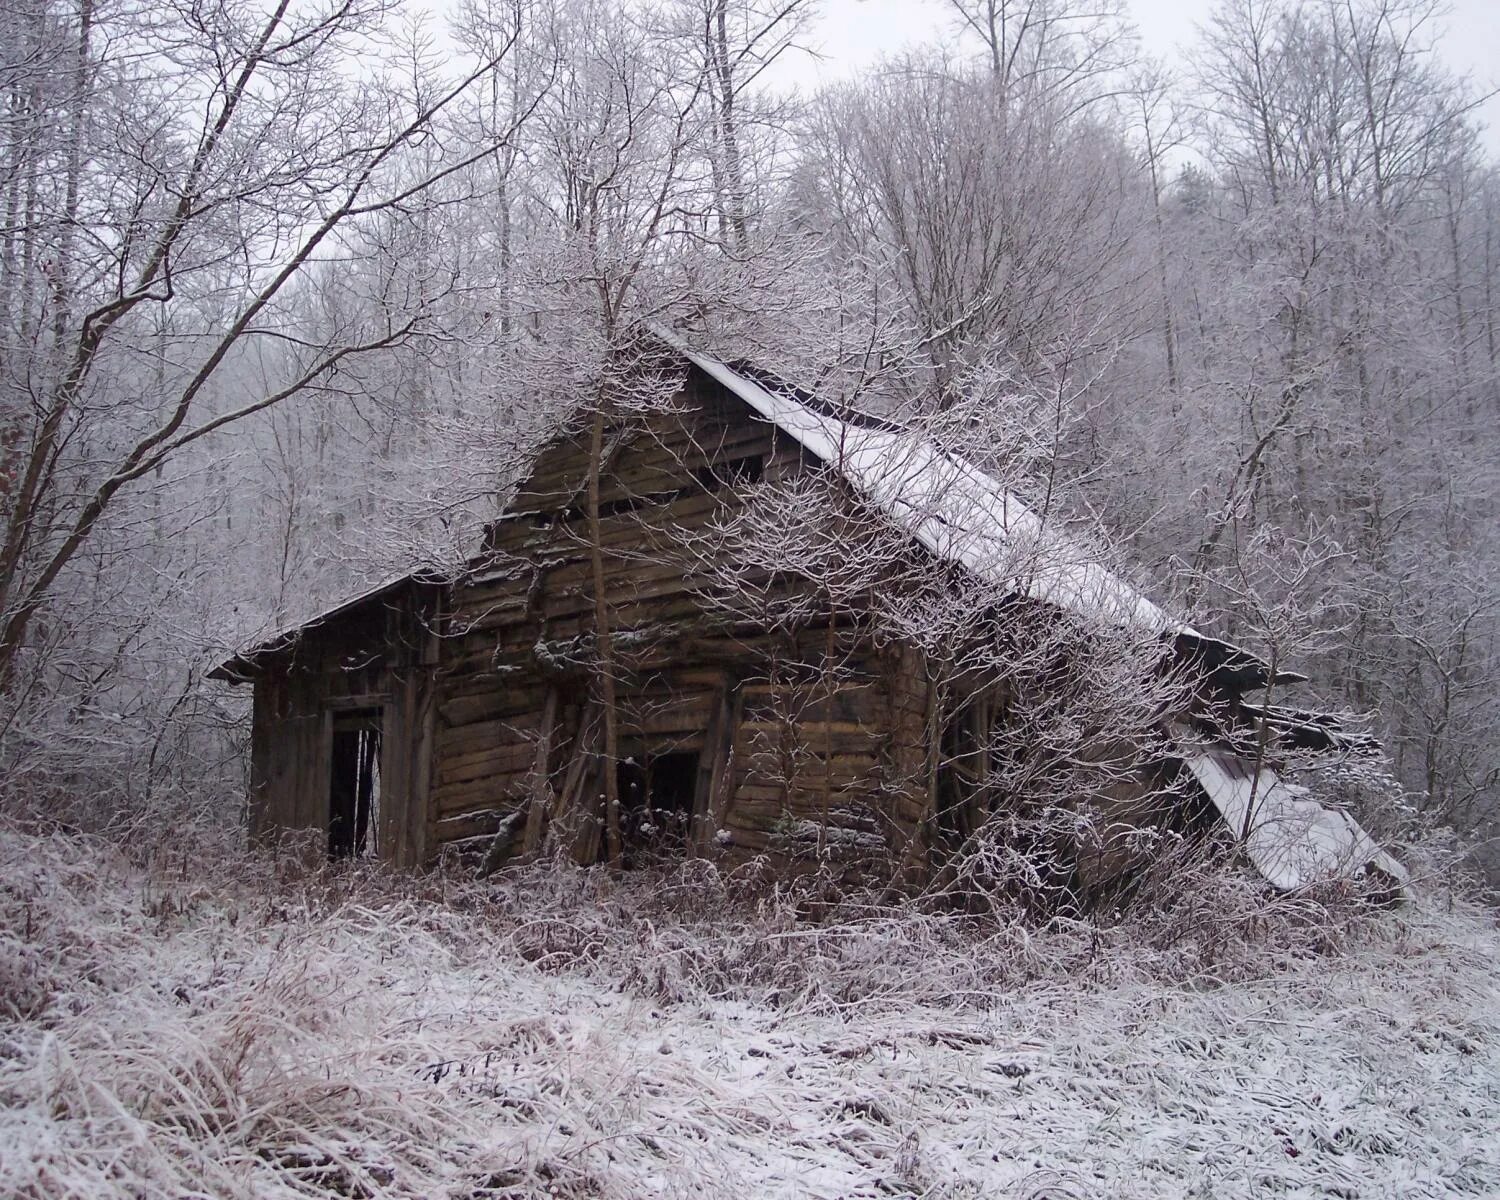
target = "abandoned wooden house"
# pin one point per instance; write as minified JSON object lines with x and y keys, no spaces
{"x":431,"y":715}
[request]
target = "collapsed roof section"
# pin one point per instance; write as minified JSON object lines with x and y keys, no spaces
{"x":1291,"y":838}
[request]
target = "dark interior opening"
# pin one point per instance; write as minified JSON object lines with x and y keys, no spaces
{"x":354,"y":785}
{"x":962,"y":775}
{"x":657,"y":793}
{"x":714,"y":477}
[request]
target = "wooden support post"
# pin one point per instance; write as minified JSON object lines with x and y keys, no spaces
{"x":914,"y":863}
{"x":602,"y":644}
{"x":715,"y":768}
{"x":541,"y":788}
{"x":571,"y":815}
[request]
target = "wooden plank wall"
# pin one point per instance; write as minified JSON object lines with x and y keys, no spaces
{"x":491,"y":718}
{"x":382,"y":653}
{"x":778,"y":749}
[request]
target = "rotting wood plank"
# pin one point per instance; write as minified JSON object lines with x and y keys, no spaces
{"x":540,"y":786}
{"x":460,"y":740}
{"x":747,"y":792}
{"x":498,"y":753}
{"x":500,"y":704}
{"x":626,"y":529}
{"x":675,"y":593}
{"x":561,"y":822}
{"x":576,"y":574}
{"x":452,"y":798}
{"x":503,"y":760}
{"x":480,"y":822}
{"x":588,"y":812}
{"x":682,"y":459}
{"x":694,"y":439}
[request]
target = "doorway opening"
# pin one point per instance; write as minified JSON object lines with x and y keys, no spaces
{"x":965,"y":774}
{"x":354,"y":785}
{"x":658,"y":794}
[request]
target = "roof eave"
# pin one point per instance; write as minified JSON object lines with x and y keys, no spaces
{"x":245,"y":666}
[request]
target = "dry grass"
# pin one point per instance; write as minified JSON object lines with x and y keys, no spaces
{"x":181,"y":1021}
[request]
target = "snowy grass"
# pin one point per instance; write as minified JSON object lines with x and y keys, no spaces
{"x":190,"y":1023}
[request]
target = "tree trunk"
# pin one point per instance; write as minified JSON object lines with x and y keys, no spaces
{"x":604,"y":650}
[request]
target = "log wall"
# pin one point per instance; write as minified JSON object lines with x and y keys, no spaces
{"x":492,"y":722}
{"x":782,"y":752}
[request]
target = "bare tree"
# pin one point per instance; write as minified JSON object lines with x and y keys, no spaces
{"x":1161,"y":133}
{"x":1059,"y":49}
{"x":212,"y":158}
{"x":1003,"y":228}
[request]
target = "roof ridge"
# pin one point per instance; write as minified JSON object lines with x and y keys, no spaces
{"x":839,"y":410}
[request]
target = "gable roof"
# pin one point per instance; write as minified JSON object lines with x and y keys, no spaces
{"x":965,"y":516}
{"x":950,"y":505}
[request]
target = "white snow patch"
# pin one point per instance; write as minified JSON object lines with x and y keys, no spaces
{"x":208,"y":1029}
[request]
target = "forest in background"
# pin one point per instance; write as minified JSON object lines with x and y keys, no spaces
{"x":290,"y":292}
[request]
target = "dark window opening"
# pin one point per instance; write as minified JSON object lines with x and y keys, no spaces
{"x":354,"y":785}
{"x":625,"y":504}
{"x":732,"y":473}
{"x":657,"y":795}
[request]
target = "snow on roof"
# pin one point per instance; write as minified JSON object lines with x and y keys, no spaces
{"x":953,"y":507}
{"x":1291,"y":839}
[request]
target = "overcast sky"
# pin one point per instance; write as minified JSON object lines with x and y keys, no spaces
{"x":853,"y":33}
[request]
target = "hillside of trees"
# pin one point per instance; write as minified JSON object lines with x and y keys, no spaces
{"x":291,"y":291}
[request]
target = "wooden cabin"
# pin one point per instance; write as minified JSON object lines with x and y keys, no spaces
{"x":486,"y":714}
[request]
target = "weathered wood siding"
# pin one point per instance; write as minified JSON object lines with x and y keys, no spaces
{"x":380,"y":654}
{"x":779,"y":750}
{"x":815,"y":743}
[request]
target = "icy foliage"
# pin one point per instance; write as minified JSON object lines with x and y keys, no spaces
{"x":951,"y":506}
{"x":185,"y":1027}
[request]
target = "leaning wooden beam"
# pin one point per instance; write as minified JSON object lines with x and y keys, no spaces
{"x":715,"y":771}
{"x":541,"y":787}
{"x":581,"y":747}
{"x":589,"y":808}
{"x":571,"y":819}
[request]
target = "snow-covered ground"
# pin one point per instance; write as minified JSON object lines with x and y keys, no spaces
{"x":200,"y":1027}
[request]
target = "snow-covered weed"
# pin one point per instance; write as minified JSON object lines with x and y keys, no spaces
{"x":179,"y":1019}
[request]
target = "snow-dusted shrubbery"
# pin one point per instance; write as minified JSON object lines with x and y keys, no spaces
{"x":176,"y":1020}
